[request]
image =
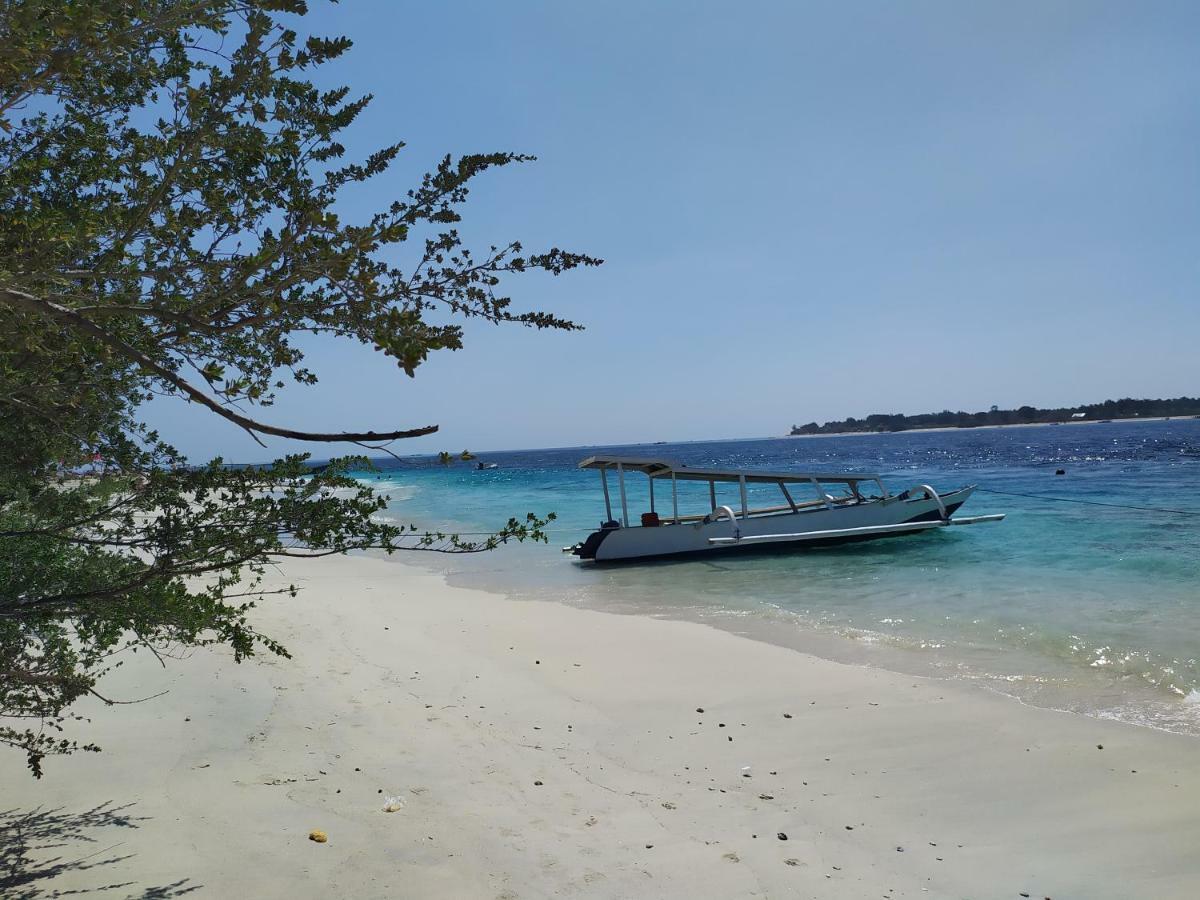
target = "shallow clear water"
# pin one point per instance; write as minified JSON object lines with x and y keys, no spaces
{"x":1081,"y":607}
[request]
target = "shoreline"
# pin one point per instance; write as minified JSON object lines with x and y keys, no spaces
{"x":1013,"y":672}
{"x":994,"y":427}
{"x":543,"y":749}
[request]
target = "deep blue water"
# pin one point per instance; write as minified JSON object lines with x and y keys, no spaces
{"x":1082,"y":607}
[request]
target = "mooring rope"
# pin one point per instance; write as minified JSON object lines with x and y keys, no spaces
{"x":1162,"y":509}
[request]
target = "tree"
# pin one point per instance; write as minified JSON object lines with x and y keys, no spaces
{"x":169,"y":179}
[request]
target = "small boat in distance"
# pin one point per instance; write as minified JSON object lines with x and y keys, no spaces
{"x":482,"y":467}
{"x":840,"y":513}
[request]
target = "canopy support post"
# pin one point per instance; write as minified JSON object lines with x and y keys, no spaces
{"x":742,"y":489}
{"x":825,"y":498}
{"x":788,"y":495}
{"x":607,"y":501}
{"x":674,"y":499}
{"x":651,"y":480}
{"x":624,"y":504}
{"x":712,"y":495}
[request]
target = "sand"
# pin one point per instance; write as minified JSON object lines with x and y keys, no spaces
{"x":545,"y":751}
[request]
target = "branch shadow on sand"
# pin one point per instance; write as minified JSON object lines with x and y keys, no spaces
{"x":39,"y":845}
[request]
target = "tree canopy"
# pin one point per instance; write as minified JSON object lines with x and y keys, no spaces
{"x":169,"y":180}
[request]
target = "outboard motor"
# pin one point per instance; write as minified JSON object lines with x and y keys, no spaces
{"x":587,"y":549}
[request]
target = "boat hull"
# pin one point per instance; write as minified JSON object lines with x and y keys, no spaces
{"x":797,"y":530}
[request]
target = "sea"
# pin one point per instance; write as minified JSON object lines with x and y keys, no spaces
{"x":1085,"y":598}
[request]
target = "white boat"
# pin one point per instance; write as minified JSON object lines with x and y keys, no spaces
{"x":841,"y":511}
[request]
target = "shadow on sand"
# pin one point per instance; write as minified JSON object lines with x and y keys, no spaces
{"x":37,"y":846}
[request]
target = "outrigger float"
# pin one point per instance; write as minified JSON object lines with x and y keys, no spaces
{"x":840,"y":513}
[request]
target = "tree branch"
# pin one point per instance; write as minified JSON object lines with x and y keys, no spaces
{"x":64,"y":314}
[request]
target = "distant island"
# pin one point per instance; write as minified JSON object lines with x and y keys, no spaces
{"x":1025,"y":415}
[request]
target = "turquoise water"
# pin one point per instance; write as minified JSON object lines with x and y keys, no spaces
{"x":1080,"y":607}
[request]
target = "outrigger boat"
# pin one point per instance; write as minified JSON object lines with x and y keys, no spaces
{"x":840,"y":513}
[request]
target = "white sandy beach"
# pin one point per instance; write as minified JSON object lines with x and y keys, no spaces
{"x":547,"y":751}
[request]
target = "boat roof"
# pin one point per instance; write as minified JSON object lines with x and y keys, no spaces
{"x":663,"y":468}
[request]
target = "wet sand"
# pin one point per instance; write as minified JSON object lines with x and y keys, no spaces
{"x":539,"y":750}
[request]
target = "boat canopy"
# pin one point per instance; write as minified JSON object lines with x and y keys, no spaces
{"x":661,"y":468}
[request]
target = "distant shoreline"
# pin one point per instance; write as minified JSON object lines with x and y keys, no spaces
{"x":992,"y":427}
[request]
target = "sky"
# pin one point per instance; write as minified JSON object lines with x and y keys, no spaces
{"x":807,"y":211}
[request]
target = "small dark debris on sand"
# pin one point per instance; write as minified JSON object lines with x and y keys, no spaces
{"x":537,"y":784}
{"x":699,"y":709}
{"x":781,"y":836}
{"x":787,"y":715}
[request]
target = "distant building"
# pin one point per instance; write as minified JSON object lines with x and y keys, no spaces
{"x":1079,"y":415}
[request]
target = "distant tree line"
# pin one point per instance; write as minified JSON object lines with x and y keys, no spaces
{"x":1025,"y":415}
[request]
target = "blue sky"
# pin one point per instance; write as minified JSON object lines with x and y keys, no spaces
{"x":808,"y":211}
